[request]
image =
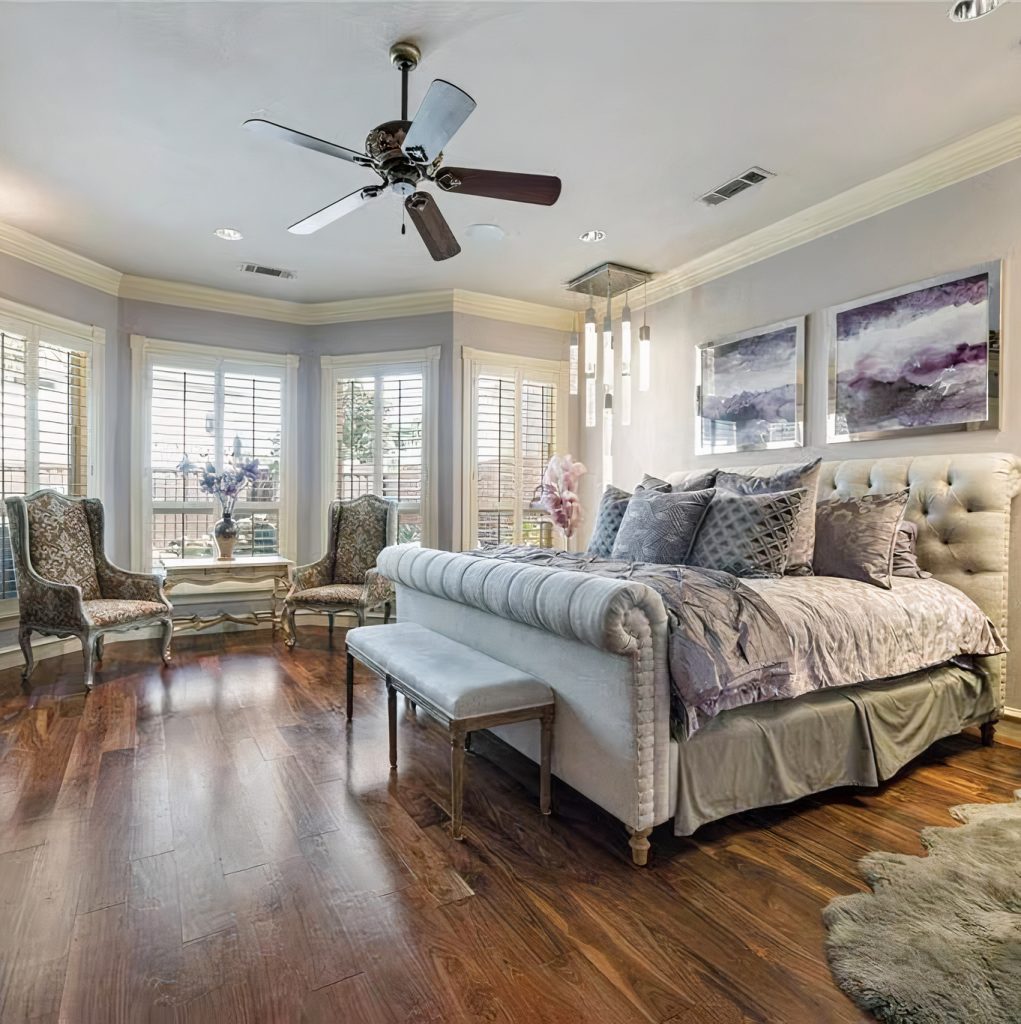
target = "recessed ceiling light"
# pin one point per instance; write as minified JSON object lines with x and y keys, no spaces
{"x":486,"y":232}
{"x":229,"y":234}
{"x":593,"y":235}
{"x":970,"y":10}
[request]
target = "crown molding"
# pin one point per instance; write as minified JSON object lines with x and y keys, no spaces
{"x":975,"y":154}
{"x":58,"y":260}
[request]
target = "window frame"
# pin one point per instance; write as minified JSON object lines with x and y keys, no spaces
{"x":478,"y":361}
{"x":36,"y":326}
{"x":338,"y":367}
{"x":145,"y":354}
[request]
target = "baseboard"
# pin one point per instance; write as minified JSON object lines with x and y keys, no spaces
{"x":1014,"y":714}
{"x":54,"y":647}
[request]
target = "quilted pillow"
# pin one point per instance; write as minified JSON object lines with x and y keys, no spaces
{"x":660,"y":526}
{"x":854,"y":537}
{"x":905,"y":561}
{"x":799,"y":562}
{"x":747,"y":534}
{"x":610,"y":514}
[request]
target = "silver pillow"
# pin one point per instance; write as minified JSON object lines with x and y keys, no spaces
{"x":660,"y":526}
{"x":854,"y":537}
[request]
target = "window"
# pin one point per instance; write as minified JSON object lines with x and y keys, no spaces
{"x":378,"y":421}
{"x":47,"y":429}
{"x":516,"y":422}
{"x":210,"y":405}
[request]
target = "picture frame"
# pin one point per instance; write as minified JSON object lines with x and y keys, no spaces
{"x":923,"y":358}
{"x":750,"y":390}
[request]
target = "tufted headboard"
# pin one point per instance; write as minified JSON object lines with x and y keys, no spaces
{"x":962,"y":505}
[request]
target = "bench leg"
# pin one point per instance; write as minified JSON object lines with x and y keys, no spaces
{"x":386,"y":614}
{"x":350,"y":686}
{"x":329,"y":618}
{"x":391,"y":713}
{"x":456,"y":781}
{"x":546,"y":748}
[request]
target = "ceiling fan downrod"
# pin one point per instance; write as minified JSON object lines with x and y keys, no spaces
{"x":405,"y":57}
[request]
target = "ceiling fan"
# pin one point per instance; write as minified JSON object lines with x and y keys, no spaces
{"x":405,"y":153}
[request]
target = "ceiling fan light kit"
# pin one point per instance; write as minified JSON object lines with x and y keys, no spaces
{"x":613,"y":279}
{"x":405,"y":154}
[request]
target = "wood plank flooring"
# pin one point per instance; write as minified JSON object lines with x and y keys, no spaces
{"x":213,"y":843}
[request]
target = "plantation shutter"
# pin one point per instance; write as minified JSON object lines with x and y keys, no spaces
{"x":379,"y":429}
{"x":44,"y":428}
{"x":205,"y":413}
{"x":514,"y":433}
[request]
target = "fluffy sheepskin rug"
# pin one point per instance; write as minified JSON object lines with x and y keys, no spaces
{"x":938,"y":940}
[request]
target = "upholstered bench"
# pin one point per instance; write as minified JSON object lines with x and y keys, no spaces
{"x":462,"y":688}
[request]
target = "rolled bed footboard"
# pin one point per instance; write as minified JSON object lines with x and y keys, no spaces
{"x":601,"y":645}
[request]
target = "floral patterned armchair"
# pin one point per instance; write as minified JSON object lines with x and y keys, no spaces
{"x":344,"y":579}
{"x":66,"y":584}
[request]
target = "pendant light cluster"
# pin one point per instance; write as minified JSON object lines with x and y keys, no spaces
{"x":609,"y":280}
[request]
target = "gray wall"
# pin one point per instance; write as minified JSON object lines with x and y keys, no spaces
{"x":966,"y":224}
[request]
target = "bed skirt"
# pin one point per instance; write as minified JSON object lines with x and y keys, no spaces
{"x":775,"y":752}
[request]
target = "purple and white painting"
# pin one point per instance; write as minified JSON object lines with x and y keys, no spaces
{"x":922,"y":358}
{"x":750,"y":390}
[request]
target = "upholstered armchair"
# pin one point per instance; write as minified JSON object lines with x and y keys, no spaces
{"x":344,"y":579}
{"x":66,"y":584}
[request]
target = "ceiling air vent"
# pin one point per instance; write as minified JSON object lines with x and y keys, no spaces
{"x":258,"y":268}
{"x":731,"y":188}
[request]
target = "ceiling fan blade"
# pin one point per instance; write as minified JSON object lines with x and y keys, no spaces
{"x":444,"y":109}
{"x":541,"y":189}
{"x":278,"y":131}
{"x":435,"y":231}
{"x":342,"y":207}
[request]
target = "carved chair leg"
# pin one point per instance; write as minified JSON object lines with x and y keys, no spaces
{"x":456,"y":781}
{"x":99,"y":649}
{"x":391,"y":714}
{"x":329,"y":618}
{"x":387,"y":608}
{"x":639,"y":843}
{"x":292,"y":633}
{"x":350,"y":686}
{"x":988,"y":733}
{"x":168,"y":636}
{"x":25,"y":639}
{"x":88,"y":656}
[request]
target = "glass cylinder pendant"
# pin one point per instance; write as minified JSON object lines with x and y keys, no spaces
{"x":573,"y":364}
{"x":625,"y":367}
{"x":608,"y":366}
{"x":590,"y":401}
{"x":644,"y":357}
{"x":590,"y":341}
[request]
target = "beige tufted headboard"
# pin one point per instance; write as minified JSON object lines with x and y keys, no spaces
{"x":962,"y":505}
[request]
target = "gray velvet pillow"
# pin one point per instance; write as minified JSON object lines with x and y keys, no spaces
{"x":660,"y":526}
{"x":698,"y":481}
{"x":652,"y":483}
{"x":854,"y":537}
{"x":747,"y":534}
{"x":799,"y":561}
{"x":610,"y":514}
{"x":905,"y":560}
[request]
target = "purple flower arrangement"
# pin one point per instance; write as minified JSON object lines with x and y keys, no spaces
{"x":558,"y":493}
{"x":226,"y":486}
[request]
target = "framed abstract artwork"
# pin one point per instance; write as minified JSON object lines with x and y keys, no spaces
{"x":919,"y":359}
{"x":750,"y":392}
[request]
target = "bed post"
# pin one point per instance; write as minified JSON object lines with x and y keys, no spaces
{"x":987,"y":730}
{"x":639,"y":843}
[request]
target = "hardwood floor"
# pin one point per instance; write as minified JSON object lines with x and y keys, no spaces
{"x":213,"y":843}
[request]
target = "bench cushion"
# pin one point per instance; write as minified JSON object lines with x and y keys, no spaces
{"x":455,"y":679}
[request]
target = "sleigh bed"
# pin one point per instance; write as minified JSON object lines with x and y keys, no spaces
{"x":607,"y":645}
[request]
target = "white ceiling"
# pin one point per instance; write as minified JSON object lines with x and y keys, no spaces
{"x":120,"y":129}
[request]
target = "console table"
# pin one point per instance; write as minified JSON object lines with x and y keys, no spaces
{"x":205,"y":572}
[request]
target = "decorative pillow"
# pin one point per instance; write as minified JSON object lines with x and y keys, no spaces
{"x":792,"y":478}
{"x":652,"y":483}
{"x":660,"y":527}
{"x":748,"y":534}
{"x":610,"y":514}
{"x":905,"y":561}
{"x":698,"y":481}
{"x":854,"y":537}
